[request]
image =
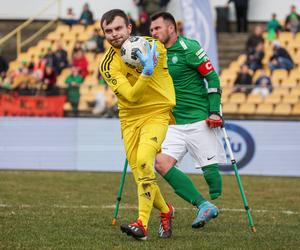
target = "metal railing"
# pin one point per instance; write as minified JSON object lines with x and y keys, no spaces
{"x":17,"y":31}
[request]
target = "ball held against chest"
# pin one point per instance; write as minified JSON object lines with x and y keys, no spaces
{"x":129,"y":49}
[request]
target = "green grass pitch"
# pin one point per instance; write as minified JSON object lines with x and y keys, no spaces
{"x":74,"y":210}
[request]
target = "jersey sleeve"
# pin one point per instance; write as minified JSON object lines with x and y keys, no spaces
{"x":197,"y":58}
{"x":112,"y":74}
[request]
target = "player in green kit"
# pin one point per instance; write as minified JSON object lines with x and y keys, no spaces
{"x":196,"y":114}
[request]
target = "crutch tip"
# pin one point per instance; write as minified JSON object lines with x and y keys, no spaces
{"x":114,"y":222}
{"x":253,"y":229}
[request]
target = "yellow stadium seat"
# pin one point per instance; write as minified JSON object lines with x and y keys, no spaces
{"x":53,"y":36}
{"x":98,"y":88}
{"x":295,"y":91}
{"x":247,"y":108}
{"x":282,"y":109}
{"x":241,"y":59}
{"x":226,"y":91}
{"x":272,"y":99}
{"x":84,"y":90}
{"x":278,"y":76}
{"x":290,"y":99}
{"x":254,"y":99}
{"x":60,"y":82}
{"x":63,"y":29}
{"x":90,"y":80}
{"x":288,"y":83}
{"x":237,"y":98}
{"x":83,"y":106}
{"x":67,"y":106}
{"x":295,"y":76}
{"x":296,"y":110}
{"x":285,"y":38}
{"x":111,"y":98}
{"x":224,"y":98}
{"x":77,"y":29}
{"x":69,"y":37}
{"x":82,"y":37}
{"x":280,"y":91}
{"x":230,"y":108}
{"x":264,"y":109}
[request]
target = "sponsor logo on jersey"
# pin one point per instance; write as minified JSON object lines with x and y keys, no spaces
{"x":242,"y":145}
{"x":174,"y":59}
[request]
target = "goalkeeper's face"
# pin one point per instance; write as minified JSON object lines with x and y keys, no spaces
{"x":160,"y":30}
{"x":116,"y":32}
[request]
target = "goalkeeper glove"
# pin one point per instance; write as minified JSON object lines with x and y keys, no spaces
{"x":149,"y":60}
{"x":215,"y":120}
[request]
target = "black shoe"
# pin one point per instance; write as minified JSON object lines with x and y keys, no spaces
{"x":135,"y":229}
{"x":165,"y":227}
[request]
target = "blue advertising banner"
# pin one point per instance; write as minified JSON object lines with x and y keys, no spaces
{"x":198,"y":24}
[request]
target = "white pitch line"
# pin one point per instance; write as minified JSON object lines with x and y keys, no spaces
{"x":127,"y":206}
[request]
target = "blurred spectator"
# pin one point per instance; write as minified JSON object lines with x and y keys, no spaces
{"x":151,"y":6}
{"x":292,"y":21}
{"x":263,"y":84}
{"x":241,"y":9}
{"x":144,"y":24}
{"x":77,"y":46}
{"x":100,"y":103}
{"x":70,"y":17}
{"x":254,"y":59}
{"x":3,"y":63}
{"x":163,"y":4}
{"x":51,"y":59}
{"x":140,"y":5}
{"x":280,"y":59}
{"x":74,"y":80}
{"x":24,"y":83}
{"x":180,"y":28}
{"x":133,"y":24}
{"x":255,"y":38}
{"x":86,"y":17}
{"x":243,"y":81}
{"x":79,"y":60}
{"x":49,"y":81}
{"x":5,"y":82}
{"x":61,"y":56}
{"x":39,"y":67}
{"x":273,"y":27}
{"x":95,"y":43}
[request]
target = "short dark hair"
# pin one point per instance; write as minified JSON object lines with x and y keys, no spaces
{"x":166,"y":16}
{"x":110,"y":15}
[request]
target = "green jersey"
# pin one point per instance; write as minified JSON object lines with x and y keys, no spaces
{"x":189,"y":65}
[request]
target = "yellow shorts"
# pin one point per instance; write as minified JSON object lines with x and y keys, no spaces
{"x":142,"y":141}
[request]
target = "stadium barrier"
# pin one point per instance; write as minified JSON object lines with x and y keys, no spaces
{"x":260,"y":147}
{"x":50,"y":106}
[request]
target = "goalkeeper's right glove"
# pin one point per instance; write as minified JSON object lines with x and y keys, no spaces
{"x":149,"y":60}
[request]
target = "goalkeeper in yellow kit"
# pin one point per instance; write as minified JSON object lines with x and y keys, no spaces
{"x":145,"y":100}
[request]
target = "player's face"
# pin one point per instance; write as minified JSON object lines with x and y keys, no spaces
{"x":160,"y":30}
{"x":116,"y":32}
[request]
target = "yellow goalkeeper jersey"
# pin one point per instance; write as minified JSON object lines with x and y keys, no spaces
{"x":157,"y":93}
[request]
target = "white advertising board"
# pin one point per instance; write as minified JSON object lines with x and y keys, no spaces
{"x":260,"y":147}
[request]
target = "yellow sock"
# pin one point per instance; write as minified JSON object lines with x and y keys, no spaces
{"x":146,"y":195}
{"x":160,"y":203}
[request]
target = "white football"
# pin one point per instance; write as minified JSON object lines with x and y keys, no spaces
{"x":129,"y":49}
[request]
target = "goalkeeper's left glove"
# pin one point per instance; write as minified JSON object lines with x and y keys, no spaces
{"x":215,"y":120}
{"x":149,"y":60}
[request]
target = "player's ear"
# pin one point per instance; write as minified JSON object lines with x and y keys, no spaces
{"x":129,"y":27}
